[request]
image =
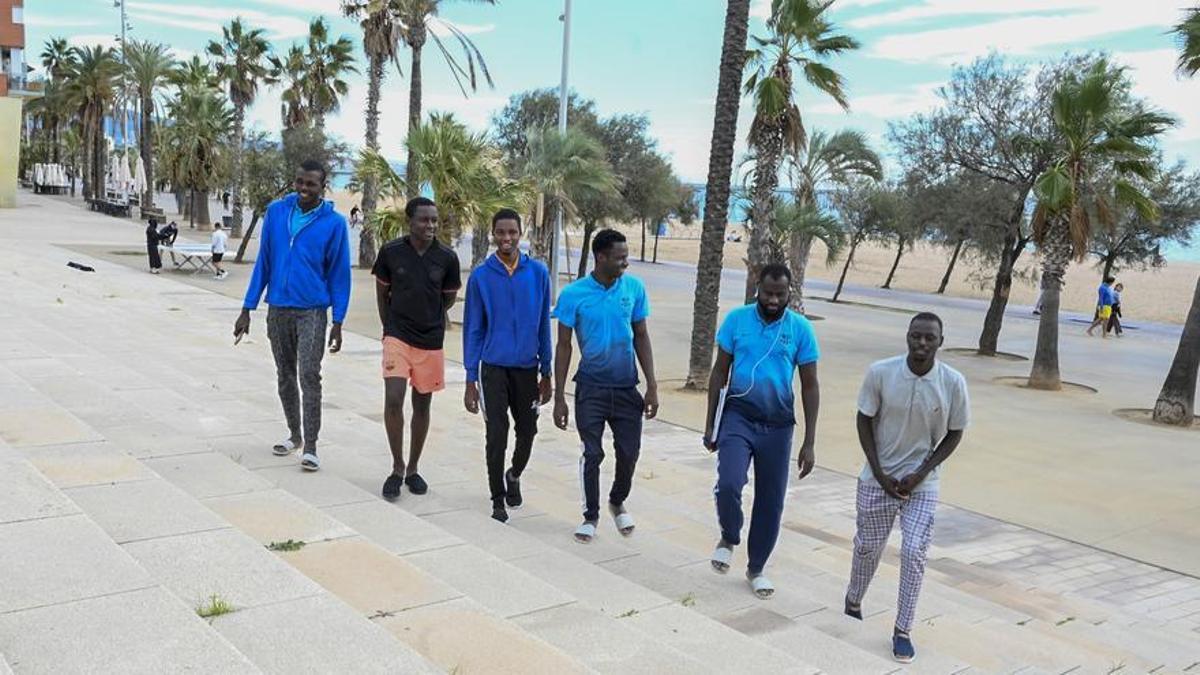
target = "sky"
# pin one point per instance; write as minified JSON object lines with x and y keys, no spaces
{"x":660,"y":57}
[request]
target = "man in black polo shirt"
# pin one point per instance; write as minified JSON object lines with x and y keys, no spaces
{"x":417,"y":281}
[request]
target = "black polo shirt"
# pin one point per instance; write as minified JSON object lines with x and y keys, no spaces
{"x":418,"y":285}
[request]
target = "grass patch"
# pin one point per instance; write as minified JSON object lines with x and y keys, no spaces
{"x":1065,"y":621}
{"x":688,"y":600}
{"x":215,"y":606}
{"x":628,"y":614}
{"x":289,"y":545}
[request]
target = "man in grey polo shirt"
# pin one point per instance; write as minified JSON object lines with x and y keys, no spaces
{"x":912,"y":410}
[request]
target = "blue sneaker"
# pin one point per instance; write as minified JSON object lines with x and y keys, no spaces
{"x":902,"y":648}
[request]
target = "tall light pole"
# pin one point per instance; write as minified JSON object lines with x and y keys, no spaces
{"x":124,"y":99}
{"x":562,"y":128}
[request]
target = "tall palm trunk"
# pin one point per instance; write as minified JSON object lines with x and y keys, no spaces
{"x":367,"y":246}
{"x":950,"y":268}
{"x":1014,"y":245}
{"x":707,"y":301}
{"x":799,"y":249}
{"x":146,"y":138}
{"x":239,"y":178}
{"x":479,"y":244}
{"x":588,"y":229}
{"x":846,"y":268}
{"x":1056,"y":256}
{"x":1176,"y":402}
{"x":416,"y":44}
{"x":768,"y":154}
{"x":99,"y":155}
{"x":895,"y":263}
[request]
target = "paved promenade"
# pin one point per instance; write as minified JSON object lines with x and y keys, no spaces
{"x":138,"y":485}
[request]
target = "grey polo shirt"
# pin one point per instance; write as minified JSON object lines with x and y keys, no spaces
{"x":911,"y":414}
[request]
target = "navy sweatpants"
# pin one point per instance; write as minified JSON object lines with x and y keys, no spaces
{"x":621,"y":410}
{"x":740,"y":442}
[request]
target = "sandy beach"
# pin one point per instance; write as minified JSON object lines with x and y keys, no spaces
{"x":1159,"y":295}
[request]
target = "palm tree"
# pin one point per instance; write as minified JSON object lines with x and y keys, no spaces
{"x":326,"y":63}
{"x":561,"y":166}
{"x":1187,"y":32}
{"x":467,"y":177}
{"x":418,"y":22}
{"x":1098,"y":127}
{"x":150,"y":67}
{"x":293,"y":104}
{"x":243,"y":63}
{"x":197,"y":138}
{"x":824,"y":161}
{"x":706,"y":303}
{"x":792,"y":219}
{"x":381,"y":37}
{"x":91,"y":86}
{"x":1176,"y":402}
{"x":59,"y":59}
{"x":802,"y":38}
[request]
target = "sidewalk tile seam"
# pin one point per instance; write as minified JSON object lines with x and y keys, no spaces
{"x":226,"y":526}
{"x":87,"y":597}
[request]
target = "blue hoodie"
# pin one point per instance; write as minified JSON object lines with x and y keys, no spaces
{"x":506,"y":321}
{"x":310,"y":270}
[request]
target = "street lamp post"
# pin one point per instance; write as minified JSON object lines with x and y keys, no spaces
{"x":562,"y":128}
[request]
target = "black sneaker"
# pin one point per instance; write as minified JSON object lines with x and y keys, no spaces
{"x":512,"y":489}
{"x":391,"y":487}
{"x":498,"y":512}
{"x":853,"y":611}
{"x":416,"y":484}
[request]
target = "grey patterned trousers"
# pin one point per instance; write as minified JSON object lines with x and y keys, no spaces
{"x":877,"y":512}
{"x":298,"y":343}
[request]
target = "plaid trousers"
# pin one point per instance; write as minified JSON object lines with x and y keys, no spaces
{"x":876,"y":513}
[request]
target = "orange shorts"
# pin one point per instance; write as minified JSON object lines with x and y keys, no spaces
{"x":424,"y":368}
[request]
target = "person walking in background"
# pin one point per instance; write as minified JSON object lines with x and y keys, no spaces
{"x":912,"y":411}
{"x":1114,"y":321}
{"x":417,"y":280}
{"x":607,"y":312}
{"x":356,"y":218}
{"x":506,"y":344}
{"x":153,"y":239}
{"x":219,"y":241}
{"x":303,"y":264}
{"x":760,"y":347}
{"x":1104,"y":305}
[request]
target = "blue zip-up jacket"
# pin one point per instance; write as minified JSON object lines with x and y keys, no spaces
{"x":506,"y":321}
{"x":308,"y":271}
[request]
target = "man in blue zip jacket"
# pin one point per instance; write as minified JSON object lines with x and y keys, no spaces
{"x":303,"y":265}
{"x":506,"y":344}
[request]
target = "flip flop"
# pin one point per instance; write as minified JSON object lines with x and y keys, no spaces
{"x":285,"y":447}
{"x":720,"y":559}
{"x":586,"y":532}
{"x":309,"y":462}
{"x":762,"y":586}
{"x":625,"y":524}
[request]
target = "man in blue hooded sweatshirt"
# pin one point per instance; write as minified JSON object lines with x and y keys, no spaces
{"x":303,"y":265}
{"x":506,"y":344}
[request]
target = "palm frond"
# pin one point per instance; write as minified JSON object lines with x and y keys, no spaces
{"x":1079,"y":227}
{"x":827,"y":80}
{"x":1187,"y":33}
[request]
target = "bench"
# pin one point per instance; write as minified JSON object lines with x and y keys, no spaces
{"x":112,"y":208}
{"x":197,"y":257}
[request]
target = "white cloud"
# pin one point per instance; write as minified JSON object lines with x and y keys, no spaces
{"x":93,"y":39}
{"x":1054,"y":23}
{"x":885,"y":105}
{"x":1153,"y":74}
{"x":210,"y":19}
{"x":440,"y":27}
{"x":327,"y":7}
{"x":761,"y":9}
{"x":50,"y":21}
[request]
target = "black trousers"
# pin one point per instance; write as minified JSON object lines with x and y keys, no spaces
{"x":504,"y":392}
{"x":621,"y":410}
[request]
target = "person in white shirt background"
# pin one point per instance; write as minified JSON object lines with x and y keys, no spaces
{"x":219,"y":240}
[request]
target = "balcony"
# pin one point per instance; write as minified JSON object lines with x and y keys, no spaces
{"x":21,"y":87}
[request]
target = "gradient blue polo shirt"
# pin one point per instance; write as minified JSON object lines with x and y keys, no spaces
{"x":603,"y":319}
{"x":765,"y":357}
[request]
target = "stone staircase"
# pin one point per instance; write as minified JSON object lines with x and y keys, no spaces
{"x":138,"y":485}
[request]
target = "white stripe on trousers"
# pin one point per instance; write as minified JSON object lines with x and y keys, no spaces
{"x":877,"y":512}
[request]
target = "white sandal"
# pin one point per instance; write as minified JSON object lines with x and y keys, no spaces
{"x":720,"y":559}
{"x":309,"y":462}
{"x":625,"y":524}
{"x":285,"y":447}
{"x":586,"y":532}
{"x":762,"y":586}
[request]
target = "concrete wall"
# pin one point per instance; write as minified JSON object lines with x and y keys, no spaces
{"x":10,"y":149}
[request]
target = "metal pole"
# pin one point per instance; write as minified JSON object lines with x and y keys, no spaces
{"x":562,"y":128}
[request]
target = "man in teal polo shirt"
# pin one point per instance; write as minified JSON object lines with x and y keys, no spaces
{"x":761,"y":346}
{"x":607,"y":312}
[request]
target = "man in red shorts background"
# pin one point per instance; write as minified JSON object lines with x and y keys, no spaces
{"x":417,"y":281}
